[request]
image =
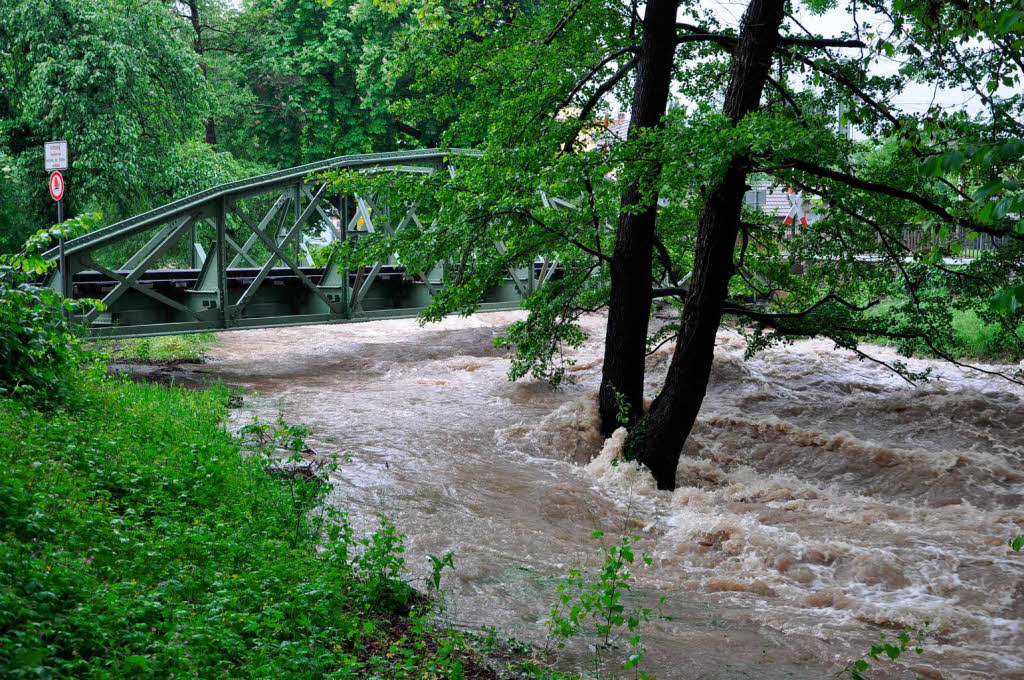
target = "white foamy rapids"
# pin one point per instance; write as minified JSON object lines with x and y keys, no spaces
{"x":883,"y":504}
{"x":571,"y":431}
{"x":820,"y":498}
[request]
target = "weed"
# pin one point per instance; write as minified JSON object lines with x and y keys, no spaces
{"x":597,"y":608}
{"x":437,"y":565}
{"x":906,"y":639}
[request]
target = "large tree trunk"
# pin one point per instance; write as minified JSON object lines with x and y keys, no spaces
{"x":675,"y":410}
{"x":630,"y":301}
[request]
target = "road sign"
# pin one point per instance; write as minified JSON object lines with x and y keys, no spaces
{"x":56,"y":186}
{"x":796,"y":207}
{"x":56,"y":155}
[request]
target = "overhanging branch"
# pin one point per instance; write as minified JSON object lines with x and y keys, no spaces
{"x":595,"y":98}
{"x":593,"y":72}
{"x":698,"y":33}
{"x":895,"y":192}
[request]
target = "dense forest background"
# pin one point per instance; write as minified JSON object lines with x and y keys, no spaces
{"x":159,"y":99}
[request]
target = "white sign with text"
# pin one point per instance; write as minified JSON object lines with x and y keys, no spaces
{"x":56,"y":155}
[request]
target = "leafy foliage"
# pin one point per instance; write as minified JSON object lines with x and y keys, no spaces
{"x":598,"y":609}
{"x":39,"y":347}
{"x":112,"y":79}
{"x":191,"y":348}
{"x":905,"y":640}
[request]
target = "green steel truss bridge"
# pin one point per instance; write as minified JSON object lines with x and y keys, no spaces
{"x":241,"y":254}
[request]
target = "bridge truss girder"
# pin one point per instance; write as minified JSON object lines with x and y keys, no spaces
{"x":257,"y":273}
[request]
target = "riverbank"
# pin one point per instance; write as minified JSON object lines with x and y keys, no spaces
{"x":138,"y":538}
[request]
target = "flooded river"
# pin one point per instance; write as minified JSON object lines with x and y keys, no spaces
{"x":820,"y":498}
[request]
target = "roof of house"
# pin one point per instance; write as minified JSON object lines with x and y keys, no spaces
{"x":777,"y":200}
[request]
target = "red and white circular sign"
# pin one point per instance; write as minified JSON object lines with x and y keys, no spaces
{"x":56,"y":186}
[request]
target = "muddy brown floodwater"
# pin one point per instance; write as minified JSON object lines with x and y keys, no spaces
{"x":820,"y":498}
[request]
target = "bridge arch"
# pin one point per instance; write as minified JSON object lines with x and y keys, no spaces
{"x":241,"y":258}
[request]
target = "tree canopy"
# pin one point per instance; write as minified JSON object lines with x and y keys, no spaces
{"x":904,"y":204}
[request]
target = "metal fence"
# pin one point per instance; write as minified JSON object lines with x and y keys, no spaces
{"x":918,"y":240}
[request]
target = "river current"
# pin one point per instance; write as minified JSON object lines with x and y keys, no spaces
{"x":821,"y":499}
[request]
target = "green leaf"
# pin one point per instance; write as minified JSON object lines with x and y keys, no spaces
{"x":29,"y":658}
{"x":1002,"y":207}
{"x":952,"y":161}
{"x":1010,"y":20}
{"x":931,"y":166}
{"x":1012,"y":150}
{"x":1008,"y":300}
{"x":136,"y":662}
{"x":988,"y":189}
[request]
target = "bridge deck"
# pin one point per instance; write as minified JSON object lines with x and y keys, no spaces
{"x":165,"y":301}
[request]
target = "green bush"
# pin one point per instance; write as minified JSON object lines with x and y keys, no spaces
{"x":39,"y":348}
{"x":190,"y":348}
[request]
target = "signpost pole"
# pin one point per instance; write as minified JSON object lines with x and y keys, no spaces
{"x":55,"y":156}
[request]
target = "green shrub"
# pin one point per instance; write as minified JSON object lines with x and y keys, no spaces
{"x":190,"y":348}
{"x":39,"y":348}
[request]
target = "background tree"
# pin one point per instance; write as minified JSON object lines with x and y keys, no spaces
{"x":158,"y":100}
{"x":113,"y":79}
{"x":316,"y":79}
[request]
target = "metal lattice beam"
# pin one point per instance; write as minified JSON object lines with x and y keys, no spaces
{"x":244,"y":273}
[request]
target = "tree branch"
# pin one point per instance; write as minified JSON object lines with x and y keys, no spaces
{"x":540,"y":223}
{"x":887,"y":241}
{"x":773,"y":319}
{"x":789,"y":99}
{"x":666,"y":261}
{"x":595,"y":98}
{"x":694,"y":32}
{"x":831,"y":297}
{"x":413,"y":132}
{"x":563,"y":22}
{"x":886,"y":190}
{"x":585,"y":79}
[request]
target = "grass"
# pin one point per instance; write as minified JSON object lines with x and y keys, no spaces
{"x":973,"y":338}
{"x":191,"y":348}
{"x":979,"y":340}
{"x":138,"y":538}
